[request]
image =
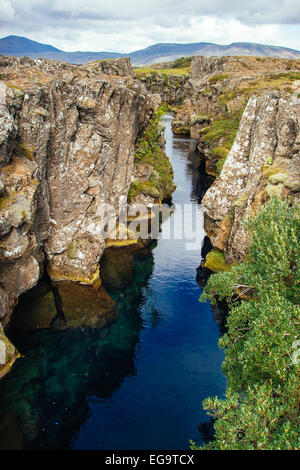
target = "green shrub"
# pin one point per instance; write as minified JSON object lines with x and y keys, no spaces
{"x":218,"y":78}
{"x":287,"y":75}
{"x":261,"y":408}
{"x":148,"y":150}
{"x":182,"y":62}
{"x":223,"y":130}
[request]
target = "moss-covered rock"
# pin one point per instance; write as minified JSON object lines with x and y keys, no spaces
{"x":157,"y":184}
{"x":274,"y":190}
{"x":279,"y":177}
{"x":8,"y":354}
{"x":215,"y":261}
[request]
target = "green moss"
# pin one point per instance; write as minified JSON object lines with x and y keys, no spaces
{"x":5,"y":201}
{"x":72,"y":250}
{"x":279,"y":177}
{"x":241,"y":201}
{"x":9,"y":352}
{"x":221,"y":152}
{"x":219,"y":165}
{"x":215,"y":261}
{"x":219,"y":137}
{"x":147,"y":188}
{"x":148,"y":150}
{"x":268,"y":162}
{"x":154,"y":74}
{"x":274,"y":190}
{"x":200,"y":119}
{"x":15,"y":87}
{"x":182,"y":62}
{"x":179,"y":127}
{"x":218,"y":78}
{"x":287,"y":75}
{"x":207,"y":93}
{"x":25,"y":150}
{"x":269,"y":171}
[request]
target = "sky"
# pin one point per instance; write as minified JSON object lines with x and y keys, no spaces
{"x":128,"y":25}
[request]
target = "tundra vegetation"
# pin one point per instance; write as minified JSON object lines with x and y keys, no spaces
{"x":181,"y":66}
{"x":149,"y":150}
{"x":261,"y":410}
{"x":219,"y":136}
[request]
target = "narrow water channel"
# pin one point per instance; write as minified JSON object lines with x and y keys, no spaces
{"x":139,"y":383}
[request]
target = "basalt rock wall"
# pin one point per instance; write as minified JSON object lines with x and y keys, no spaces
{"x":264,"y":161}
{"x":67,"y":137}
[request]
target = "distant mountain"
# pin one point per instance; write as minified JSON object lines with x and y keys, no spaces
{"x":19,"y":46}
{"x":166,"y":52}
{"x":162,"y":52}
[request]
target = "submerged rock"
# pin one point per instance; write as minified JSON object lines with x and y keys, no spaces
{"x":117,"y":268}
{"x":35,"y":310}
{"x":89,"y":306}
{"x":11,"y":436}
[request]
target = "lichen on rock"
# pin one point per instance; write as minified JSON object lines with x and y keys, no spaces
{"x":264,"y":161}
{"x":67,"y":149}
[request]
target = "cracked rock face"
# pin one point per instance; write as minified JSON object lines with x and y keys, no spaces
{"x":67,"y":137}
{"x":264,"y":160}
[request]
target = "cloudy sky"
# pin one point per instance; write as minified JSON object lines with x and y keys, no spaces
{"x":127,"y":25}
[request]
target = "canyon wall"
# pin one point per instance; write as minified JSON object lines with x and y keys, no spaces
{"x":244,"y":114}
{"x":165,"y":88}
{"x":264,"y":161}
{"x":217,"y":93}
{"x":67,"y":146}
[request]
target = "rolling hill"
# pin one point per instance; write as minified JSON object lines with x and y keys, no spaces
{"x":20,"y":46}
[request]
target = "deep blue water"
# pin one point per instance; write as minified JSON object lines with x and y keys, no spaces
{"x":139,"y":383}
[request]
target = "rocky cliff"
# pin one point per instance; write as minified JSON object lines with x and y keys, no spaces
{"x":166,"y":82}
{"x":67,"y":145}
{"x":165,"y":88}
{"x":264,"y":161}
{"x":244,"y":113}
{"x":217,"y":93}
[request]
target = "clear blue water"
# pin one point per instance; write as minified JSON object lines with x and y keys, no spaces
{"x":140,"y":382}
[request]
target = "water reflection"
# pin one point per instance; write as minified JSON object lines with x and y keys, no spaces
{"x":48,"y":391}
{"x":140,"y":382}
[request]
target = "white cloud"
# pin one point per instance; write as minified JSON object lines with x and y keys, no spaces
{"x":128,"y":25}
{"x":7,"y":11}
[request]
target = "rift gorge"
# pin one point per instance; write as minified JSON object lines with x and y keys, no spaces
{"x":122,"y":193}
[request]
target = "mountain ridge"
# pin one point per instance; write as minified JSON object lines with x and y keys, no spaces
{"x":19,"y":46}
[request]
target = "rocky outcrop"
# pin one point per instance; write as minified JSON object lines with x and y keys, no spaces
{"x":67,"y":141}
{"x":218,"y":91}
{"x":165,"y":88}
{"x":264,"y":161}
